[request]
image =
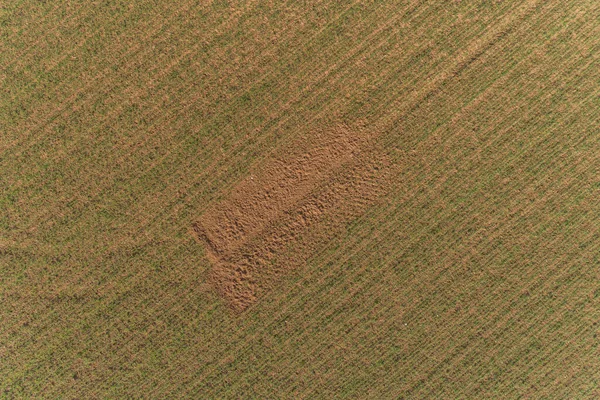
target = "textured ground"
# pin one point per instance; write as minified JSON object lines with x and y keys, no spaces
{"x":307,"y":199}
{"x":279,"y":216}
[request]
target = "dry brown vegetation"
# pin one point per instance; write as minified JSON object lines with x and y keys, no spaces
{"x":397,"y":199}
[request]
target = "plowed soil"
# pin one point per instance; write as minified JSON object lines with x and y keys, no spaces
{"x":279,"y":215}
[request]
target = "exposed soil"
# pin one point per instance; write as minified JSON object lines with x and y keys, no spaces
{"x":286,"y":209}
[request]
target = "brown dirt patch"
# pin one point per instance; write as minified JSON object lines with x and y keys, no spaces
{"x":286,"y":209}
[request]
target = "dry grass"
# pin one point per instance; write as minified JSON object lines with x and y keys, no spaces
{"x":470,"y":272}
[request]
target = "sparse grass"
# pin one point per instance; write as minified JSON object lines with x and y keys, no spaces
{"x":476,"y":276}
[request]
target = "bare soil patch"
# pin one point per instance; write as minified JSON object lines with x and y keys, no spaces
{"x":284,"y":210}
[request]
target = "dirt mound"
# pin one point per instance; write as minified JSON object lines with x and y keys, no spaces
{"x":283,"y":211}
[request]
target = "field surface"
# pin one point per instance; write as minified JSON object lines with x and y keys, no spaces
{"x":300,"y":199}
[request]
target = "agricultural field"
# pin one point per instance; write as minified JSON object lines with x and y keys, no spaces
{"x":300,"y":199}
